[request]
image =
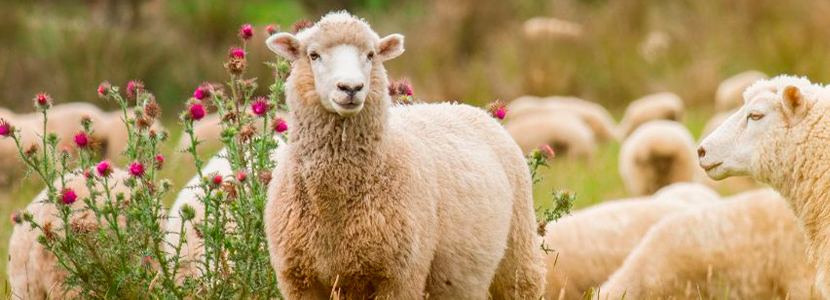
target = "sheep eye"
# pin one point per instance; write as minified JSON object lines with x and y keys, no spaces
{"x":755,"y":116}
{"x":370,"y":55}
{"x":314,"y":56}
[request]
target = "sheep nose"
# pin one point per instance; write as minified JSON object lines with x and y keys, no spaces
{"x":701,"y":152}
{"x":350,"y":89}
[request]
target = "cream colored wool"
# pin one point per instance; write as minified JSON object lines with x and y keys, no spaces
{"x":389,"y":202}
{"x":780,"y":137}
{"x":592,"y":114}
{"x":565,"y":133}
{"x":748,"y":246}
{"x":592,"y":243}
{"x":729,"y":95}
{"x":32,"y":270}
{"x":657,"y":154}
{"x":660,"y":106}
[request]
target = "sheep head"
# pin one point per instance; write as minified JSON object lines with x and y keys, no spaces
{"x":770,"y":118}
{"x":342,"y":52}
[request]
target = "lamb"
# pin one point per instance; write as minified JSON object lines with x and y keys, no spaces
{"x":657,"y":154}
{"x":729,"y":94}
{"x":592,"y":243}
{"x":565,"y":133}
{"x":780,"y":137}
{"x":32,"y":270}
{"x":592,"y":114}
{"x":660,"y":106}
{"x":748,"y":246}
{"x":388,"y":202}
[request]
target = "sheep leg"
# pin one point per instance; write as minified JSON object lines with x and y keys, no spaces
{"x":521,"y":272}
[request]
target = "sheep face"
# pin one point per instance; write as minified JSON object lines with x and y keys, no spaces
{"x":734,"y":147}
{"x":341,"y":51}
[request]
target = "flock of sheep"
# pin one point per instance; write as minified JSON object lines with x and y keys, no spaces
{"x":408,"y":201}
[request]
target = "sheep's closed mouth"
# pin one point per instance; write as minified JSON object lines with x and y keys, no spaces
{"x":710,"y":167}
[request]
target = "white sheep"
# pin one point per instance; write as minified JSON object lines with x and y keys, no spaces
{"x":730,"y":91}
{"x":565,"y":133}
{"x":32,"y":270}
{"x":749,"y":247}
{"x":780,"y":137}
{"x":388,"y":202}
{"x":660,"y":106}
{"x":552,"y":28}
{"x":592,"y":243}
{"x":657,"y":154}
{"x":732,"y":184}
{"x":593,"y":114}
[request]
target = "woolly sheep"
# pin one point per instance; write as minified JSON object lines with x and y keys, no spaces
{"x":545,"y":27}
{"x":32,"y":270}
{"x":592,"y":243}
{"x":594,"y":115}
{"x":731,"y":184}
{"x":657,"y":154}
{"x":660,"y":106}
{"x":780,"y":137}
{"x":729,"y":94}
{"x":748,"y":246}
{"x":388,"y":202}
{"x":565,"y":133}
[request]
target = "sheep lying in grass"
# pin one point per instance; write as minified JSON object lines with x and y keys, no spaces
{"x":594,"y":115}
{"x":661,"y":106}
{"x":780,"y":137}
{"x":747,"y":247}
{"x":729,"y":95}
{"x":32,"y":270}
{"x":389,"y":202}
{"x":657,"y":154}
{"x":592,"y":243}
{"x":565,"y":133}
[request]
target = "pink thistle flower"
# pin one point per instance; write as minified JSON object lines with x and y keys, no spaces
{"x":217,"y":180}
{"x":87,"y":174}
{"x":241,"y":176}
{"x":236,"y":53}
{"x":280,"y":125}
{"x":17,"y":217}
{"x":246,"y":32}
{"x":103,"y":89}
{"x":197,"y":111}
{"x":159,"y":161}
{"x":104,"y":168}
{"x":497,"y":109}
{"x":81,"y":140}
{"x":136,"y":169}
{"x":6,"y":129}
{"x":404,"y":87}
{"x":134,"y":87}
{"x":260,"y":107}
{"x":68,"y":196}
{"x":201,"y":92}
{"x":271,"y":29}
{"x":547,"y":151}
{"x":43,"y":100}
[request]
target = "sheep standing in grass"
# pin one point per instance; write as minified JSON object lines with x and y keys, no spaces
{"x":780,"y":137}
{"x":657,"y":154}
{"x":747,"y":247}
{"x":392,"y":202}
{"x":729,"y":95}
{"x":591,"y":244}
{"x":592,"y":114}
{"x":565,"y":133}
{"x":661,"y":106}
{"x":33,"y":271}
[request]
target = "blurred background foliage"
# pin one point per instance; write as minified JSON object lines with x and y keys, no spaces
{"x":466,"y":50}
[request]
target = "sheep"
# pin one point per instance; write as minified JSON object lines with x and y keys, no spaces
{"x":388,"y":202}
{"x":660,"y":106}
{"x":545,"y":27}
{"x":731,"y":184}
{"x":657,"y":154}
{"x":565,"y":133}
{"x":592,"y":243}
{"x":748,"y":246}
{"x":594,"y":115}
{"x":729,"y":94}
{"x":780,"y":138}
{"x":32,"y":270}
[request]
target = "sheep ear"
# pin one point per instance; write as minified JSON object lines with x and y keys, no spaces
{"x":390,"y":46}
{"x":793,"y":104}
{"x":284,"y":44}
